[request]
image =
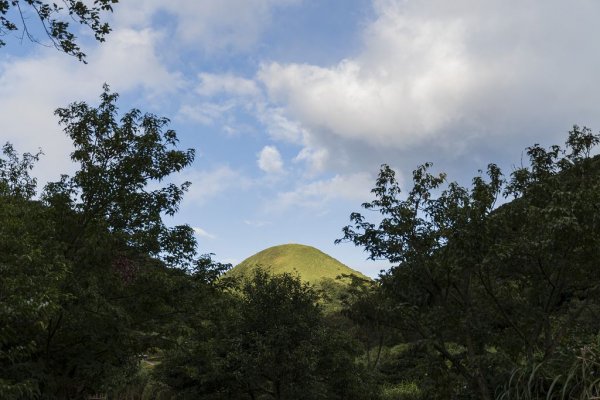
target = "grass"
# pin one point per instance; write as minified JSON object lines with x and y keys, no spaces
{"x":311,"y":264}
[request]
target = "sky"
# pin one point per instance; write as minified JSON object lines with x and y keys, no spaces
{"x":293,"y":105}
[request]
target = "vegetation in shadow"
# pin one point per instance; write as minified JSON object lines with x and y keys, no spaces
{"x":494,"y":293}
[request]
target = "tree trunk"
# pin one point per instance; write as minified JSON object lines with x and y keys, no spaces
{"x":480,"y":381}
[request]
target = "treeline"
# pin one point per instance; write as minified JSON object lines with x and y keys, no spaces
{"x":99,"y":297}
{"x":491,"y":301}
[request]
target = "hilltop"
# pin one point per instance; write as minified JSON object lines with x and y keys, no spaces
{"x":311,"y":264}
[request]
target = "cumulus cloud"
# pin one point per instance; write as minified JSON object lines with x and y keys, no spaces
{"x":32,"y":88}
{"x":409,"y":83}
{"x":269,"y":160}
{"x":318,"y":193}
{"x":446,"y":75}
{"x":134,"y":57}
{"x":316,"y":159}
{"x":279,"y":126}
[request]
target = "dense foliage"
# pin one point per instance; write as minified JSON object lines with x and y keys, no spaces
{"x":73,"y":261}
{"x":99,"y":296}
{"x":93,"y":282}
{"x":269,"y":340}
{"x":481,"y":294}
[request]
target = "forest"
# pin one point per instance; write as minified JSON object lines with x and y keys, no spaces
{"x":493,"y":293}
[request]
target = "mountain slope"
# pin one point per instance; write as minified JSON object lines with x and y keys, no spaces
{"x":311,"y":264}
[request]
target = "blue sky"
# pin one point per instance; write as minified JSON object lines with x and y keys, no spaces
{"x":292,"y":105}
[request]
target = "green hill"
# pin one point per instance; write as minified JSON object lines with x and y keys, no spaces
{"x":312,"y":265}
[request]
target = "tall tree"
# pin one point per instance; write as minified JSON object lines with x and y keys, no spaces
{"x":481,"y":289}
{"x":91,"y":273}
{"x":32,"y":269}
{"x":119,"y":158}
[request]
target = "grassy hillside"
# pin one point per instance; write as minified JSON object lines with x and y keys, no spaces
{"x":311,"y":264}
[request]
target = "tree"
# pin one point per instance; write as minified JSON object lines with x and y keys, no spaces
{"x":482,"y":290}
{"x":92,"y":276}
{"x":267,"y":340}
{"x":117,"y":162}
{"x":116,"y":241}
{"x":32,"y":270}
{"x":364,"y":304}
{"x":54,"y":21}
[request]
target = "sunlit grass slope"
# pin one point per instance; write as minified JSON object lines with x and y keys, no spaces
{"x":311,"y":264}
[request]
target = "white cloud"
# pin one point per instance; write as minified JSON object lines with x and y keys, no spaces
{"x":134,"y":57}
{"x":130,"y":60}
{"x":209,"y":184}
{"x":408,"y":85}
{"x":215,"y":84}
{"x":206,"y":113}
{"x":208,"y":25}
{"x":450,"y":76}
{"x":269,"y":160}
{"x":32,"y":88}
{"x":317,"y":194}
{"x":225,"y":97}
{"x":279,"y":126}
{"x":202,"y":233}
{"x":316,"y":158}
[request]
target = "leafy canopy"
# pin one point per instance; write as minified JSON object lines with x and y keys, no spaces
{"x":480,"y":290}
{"x":88,"y":282}
{"x":119,"y":159}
